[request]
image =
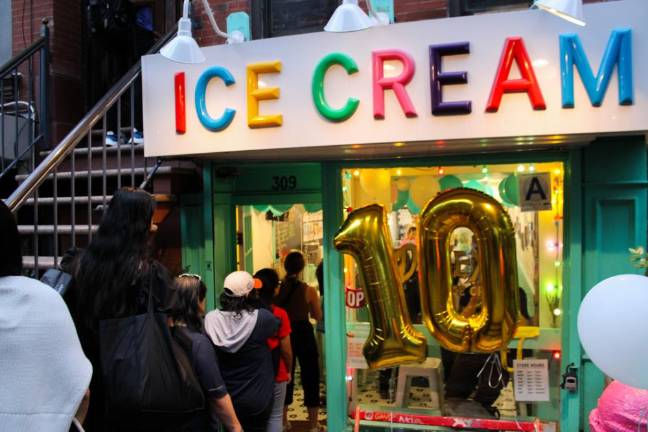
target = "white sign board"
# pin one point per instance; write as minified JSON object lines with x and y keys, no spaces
{"x":535,"y":191}
{"x":355,"y":342}
{"x":288,"y":72}
{"x":531,"y":380}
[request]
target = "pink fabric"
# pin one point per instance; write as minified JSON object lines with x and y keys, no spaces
{"x":621,"y":408}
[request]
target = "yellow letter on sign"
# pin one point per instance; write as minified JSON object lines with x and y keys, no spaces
{"x":392,"y":338}
{"x":256,"y":94}
{"x":493,"y":327}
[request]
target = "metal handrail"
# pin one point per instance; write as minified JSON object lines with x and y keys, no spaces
{"x":74,"y":137}
{"x":14,"y":62}
{"x":10,"y":70}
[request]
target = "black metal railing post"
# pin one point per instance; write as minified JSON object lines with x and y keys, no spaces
{"x":44,"y":86}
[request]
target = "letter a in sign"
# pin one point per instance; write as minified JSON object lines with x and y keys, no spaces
{"x":535,"y":192}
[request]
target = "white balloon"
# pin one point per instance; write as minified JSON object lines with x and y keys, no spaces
{"x":613,"y":328}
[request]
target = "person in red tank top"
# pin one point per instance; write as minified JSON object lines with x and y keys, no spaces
{"x":279,"y":345}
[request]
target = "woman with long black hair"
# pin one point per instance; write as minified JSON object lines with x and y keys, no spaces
{"x":113,"y":280}
{"x":301,"y":301}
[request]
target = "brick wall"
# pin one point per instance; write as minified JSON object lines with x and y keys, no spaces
{"x":64,"y":18}
{"x":416,"y":10}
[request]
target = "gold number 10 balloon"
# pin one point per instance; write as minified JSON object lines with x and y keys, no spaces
{"x":392,"y":339}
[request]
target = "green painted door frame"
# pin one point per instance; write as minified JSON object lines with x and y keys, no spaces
{"x":601,"y":186}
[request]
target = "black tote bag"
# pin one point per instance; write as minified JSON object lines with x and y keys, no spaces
{"x":144,"y":370}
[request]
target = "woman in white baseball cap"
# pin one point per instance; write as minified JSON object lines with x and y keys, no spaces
{"x":239,"y":330}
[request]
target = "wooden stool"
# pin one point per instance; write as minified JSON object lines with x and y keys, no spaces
{"x":432,"y":369}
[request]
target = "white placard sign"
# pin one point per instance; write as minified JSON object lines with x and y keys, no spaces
{"x":268,"y":94}
{"x":531,"y":380}
{"x":355,"y":342}
{"x":535,"y":191}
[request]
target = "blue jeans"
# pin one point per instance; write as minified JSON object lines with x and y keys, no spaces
{"x":275,"y":423}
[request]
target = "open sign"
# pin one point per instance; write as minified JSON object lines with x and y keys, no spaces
{"x":355,"y":299}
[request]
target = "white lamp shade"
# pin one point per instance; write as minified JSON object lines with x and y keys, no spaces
{"x":570,"y":10}
{"x":183,"y":49}
{"x":348,"y":17}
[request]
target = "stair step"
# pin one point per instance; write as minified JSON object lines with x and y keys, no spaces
{"x":49,"y":229}
{"x":95,"y":199}
{"x":44,"y":262}
{"x":124,"y":148}
{"x":113,"y":173}
{"x":83,"y":199}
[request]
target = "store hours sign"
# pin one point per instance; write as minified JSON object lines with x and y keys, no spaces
{"x":505,"y":75}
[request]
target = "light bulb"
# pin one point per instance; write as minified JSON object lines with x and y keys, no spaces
{"x":520,"y":168}
{"x":557,"y":312}
{"x":356,"y":173}
{"x":399,"y":172}
{"x":484,"y":169}
{"x":441,"y":171}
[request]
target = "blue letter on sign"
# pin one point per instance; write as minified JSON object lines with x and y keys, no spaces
{"x":618,"y":51}
{"x":201,"y":105}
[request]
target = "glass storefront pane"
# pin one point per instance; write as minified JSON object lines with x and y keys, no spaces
{"x":461,"y":384}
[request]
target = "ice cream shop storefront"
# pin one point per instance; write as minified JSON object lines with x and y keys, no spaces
{"x":464,"y":182}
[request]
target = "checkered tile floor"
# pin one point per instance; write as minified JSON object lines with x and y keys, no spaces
{"x":368,"y":394}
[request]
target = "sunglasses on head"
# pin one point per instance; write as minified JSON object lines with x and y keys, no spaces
{"x":191,"y":275}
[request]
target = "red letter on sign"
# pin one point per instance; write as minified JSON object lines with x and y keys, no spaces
{"x":514,"y":50}
{"x":398,"y":83}
{"x":180,"y":103}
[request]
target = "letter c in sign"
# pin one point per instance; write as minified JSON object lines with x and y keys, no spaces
{"x":201,"y":104}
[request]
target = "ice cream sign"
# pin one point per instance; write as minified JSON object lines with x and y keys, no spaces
{"x":573,"y":57}
{"x":476,"y":77}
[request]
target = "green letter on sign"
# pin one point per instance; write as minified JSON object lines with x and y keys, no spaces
{"x":318,"y":87}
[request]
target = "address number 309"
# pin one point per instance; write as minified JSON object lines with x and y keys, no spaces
{"x":284,"y":183}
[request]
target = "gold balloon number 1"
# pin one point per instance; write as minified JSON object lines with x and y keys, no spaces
{"x":392,"y":339}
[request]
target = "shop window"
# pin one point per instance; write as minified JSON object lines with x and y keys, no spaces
{"x":270,"y":232}
{"x":288,"y":17}
{"x":472,"y":7}
{"x":461,"y":384}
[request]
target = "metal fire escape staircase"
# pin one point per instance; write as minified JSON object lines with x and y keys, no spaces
{"x":60,"y":193}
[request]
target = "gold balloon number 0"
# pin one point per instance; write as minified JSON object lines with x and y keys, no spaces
{"x":392,"y":339}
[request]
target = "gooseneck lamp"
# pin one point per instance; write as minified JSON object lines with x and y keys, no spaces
{"x":183,"y":48}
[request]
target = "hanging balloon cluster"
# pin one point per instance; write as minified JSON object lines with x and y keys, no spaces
{"x":392,"y":339}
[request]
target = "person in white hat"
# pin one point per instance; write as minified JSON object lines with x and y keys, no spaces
{"x":239,"y":330}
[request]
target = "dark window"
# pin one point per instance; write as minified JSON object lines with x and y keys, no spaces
{"x":272,"y":18}
{"x":471,"y":7}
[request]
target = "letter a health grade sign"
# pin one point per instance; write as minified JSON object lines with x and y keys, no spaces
{"x":535,"y":192}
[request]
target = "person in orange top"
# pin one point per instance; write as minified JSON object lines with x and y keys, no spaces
{"x":279,"y":345}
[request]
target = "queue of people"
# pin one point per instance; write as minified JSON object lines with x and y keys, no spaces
{"x":133,"y":349}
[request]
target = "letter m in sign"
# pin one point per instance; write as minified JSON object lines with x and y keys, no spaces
{"x":535,"y":192}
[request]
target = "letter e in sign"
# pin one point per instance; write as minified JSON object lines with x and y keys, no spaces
{"x":535,"y":192}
